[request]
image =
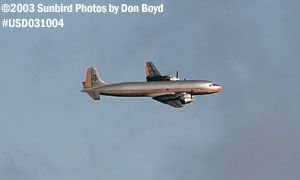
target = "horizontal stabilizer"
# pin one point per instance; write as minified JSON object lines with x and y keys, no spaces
{"x":94,"y":95}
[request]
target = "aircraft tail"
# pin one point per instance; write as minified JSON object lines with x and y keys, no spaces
{"x":92,"y":80}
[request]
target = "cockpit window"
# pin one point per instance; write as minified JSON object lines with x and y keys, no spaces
{"x":215,"y":85}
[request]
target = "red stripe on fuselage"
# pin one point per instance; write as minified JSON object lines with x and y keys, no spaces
{"x":129,"y":92}
{"x":193,"y":91}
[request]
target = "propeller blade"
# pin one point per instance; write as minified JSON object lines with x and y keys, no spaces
{"x":177,"y":74}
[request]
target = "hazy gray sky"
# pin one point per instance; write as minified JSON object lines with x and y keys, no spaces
{"x":249,"y":131}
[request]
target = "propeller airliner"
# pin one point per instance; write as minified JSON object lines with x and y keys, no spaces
{"x":166,"y":89}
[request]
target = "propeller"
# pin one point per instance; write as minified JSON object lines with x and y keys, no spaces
{"x":177,"y":74}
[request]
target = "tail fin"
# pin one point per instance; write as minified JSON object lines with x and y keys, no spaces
{"x":92,"y":79}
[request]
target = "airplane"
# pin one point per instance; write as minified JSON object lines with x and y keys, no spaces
{"x":166,"y":89}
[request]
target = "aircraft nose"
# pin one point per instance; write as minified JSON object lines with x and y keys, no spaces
{"x":220,"y":88}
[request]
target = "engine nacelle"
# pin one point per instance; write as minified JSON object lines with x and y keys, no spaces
{"x":172,"y":78}
{"x":186,"y":98}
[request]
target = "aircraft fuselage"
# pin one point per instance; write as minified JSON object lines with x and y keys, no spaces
{"x":141,"y":89}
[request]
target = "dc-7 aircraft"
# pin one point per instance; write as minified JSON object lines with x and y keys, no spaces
{"x":165,"y":89}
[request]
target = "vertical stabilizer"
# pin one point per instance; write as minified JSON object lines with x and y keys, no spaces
{"x":92,"y":80}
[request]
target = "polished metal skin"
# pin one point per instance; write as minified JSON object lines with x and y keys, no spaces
{"x":174,"y":92}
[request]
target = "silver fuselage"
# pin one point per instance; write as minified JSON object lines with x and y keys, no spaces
{"x":153,"y":88}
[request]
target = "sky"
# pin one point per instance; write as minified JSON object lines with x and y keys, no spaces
{"x":249,"y":131}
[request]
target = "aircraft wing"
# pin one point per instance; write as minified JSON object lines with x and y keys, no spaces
{"x":152,"y":74}
{"x":169,"y":99}
{"x":151,"y":70}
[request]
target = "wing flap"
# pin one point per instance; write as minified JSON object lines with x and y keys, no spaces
{"x":175,"y":103}
{"x":169,"y":99}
